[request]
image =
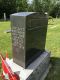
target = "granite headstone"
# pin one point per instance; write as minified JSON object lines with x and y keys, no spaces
{"x":28,"y":36}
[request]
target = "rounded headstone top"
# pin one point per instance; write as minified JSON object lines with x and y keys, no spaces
{"x":23,"y":13}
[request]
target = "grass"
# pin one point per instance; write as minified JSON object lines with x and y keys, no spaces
{"x":5,"y":40}
{"x":52,"y":44}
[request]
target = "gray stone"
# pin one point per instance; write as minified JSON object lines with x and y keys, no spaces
{"x":7,"y":31}
{"x":41,"y":68}
{"x":28,"y":36}
{"x":5,"y":16}
{"x":37,"y":70}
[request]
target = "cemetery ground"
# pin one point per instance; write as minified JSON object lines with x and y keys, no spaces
{"x":52,"y":44}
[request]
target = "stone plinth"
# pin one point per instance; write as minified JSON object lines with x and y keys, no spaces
{"x":37,"y":70}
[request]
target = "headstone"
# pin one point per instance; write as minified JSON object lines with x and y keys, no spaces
{"x":28,"y":36}
{"x":4,"y":16}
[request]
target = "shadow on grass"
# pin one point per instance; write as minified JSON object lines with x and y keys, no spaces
{"x":51,"y":24}
{"x":54,"y":73}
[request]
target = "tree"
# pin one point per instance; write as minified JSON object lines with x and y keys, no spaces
{"x":56,"y":10}
{"x":42,"y":5}
{"x":12,"y":6}
{"x":1,"y":8}
{"x":8,"y":7}
{"x":30,"y":8}
{"x":37,"y":6}
{"x":21,"y":5}
{"x":49,"y":6}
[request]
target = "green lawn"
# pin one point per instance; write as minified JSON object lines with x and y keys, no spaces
{"x":5,"y":40}
{"x":52,"y":44}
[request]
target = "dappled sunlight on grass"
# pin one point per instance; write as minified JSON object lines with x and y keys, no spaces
{"x":5,"y":38}
{"x":53,"y":45}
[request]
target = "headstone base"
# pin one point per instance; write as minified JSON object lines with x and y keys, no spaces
{"x":37,"y":70}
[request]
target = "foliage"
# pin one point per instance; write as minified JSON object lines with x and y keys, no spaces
{"x":41,"y":5}
{"x":1,"y":8}
{"x":56,"y":10}
{"x":30,"y":8}
{"x":21,"y":5}
{"x":8,"y":6}
{"x":12,"y":6}
{"x":50,"y":6}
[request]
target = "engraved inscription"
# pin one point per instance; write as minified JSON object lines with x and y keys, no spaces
{"x":18,"y":36}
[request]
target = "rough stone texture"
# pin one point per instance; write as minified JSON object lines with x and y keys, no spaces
{"x":35,"y":71}
{"x":28,"y":36}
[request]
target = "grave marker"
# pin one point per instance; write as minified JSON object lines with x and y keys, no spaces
{"x":28,"y":36}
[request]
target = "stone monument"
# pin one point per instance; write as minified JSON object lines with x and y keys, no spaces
{"x":28,"y":36}
{"x":4,"y":16}
{"x":28,"y":44}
